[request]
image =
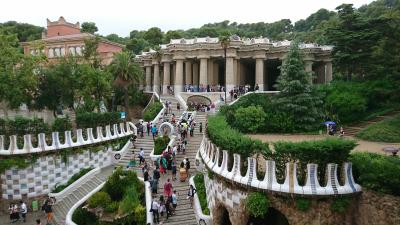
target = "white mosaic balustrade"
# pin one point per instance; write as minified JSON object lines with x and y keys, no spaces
{"x":210,"y":155}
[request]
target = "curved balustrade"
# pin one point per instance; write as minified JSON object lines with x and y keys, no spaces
{"x":211,"y":157}
{"x":120,"y":131}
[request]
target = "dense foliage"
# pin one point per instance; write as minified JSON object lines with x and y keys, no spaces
{"x":249,"y":119}
{"x":201,"y":192}
{"x":61,"y":124}
{"x":377,"y":172}
{"x":21,"y":126}
{"x":340,"y":204}
{"x":321,"y":152}
{"x":92,"y":120}
{"x":303,"y":204}
{"x":384,"y":131}
{"x":82,"y":216}
{"x":232,"y":140}
{"x":257,"y":204}
{"x":152,"y":111}
{"x":160,"y":144}
{"x":75,"y":177}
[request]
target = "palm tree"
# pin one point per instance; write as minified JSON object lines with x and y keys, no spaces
{"x":225,"y":42}
{"x":126,"y":72}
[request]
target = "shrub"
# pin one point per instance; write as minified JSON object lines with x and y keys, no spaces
{"x":83,"y":217}
{"x":129,"y":201}
{"x":377,"y":172}
{"x":152,"y":111}
{"x":92,"y":120}
{"x":257,"y":204}
{"x":384,"y":131}
{"x":321,"y":152}
{"x":160,"y":144}
{"x":61,"y":124}
{"x":99,"y":199}
{"x":303,"y":204}
{"x":201,"y":192}
{"x":340,"y":205}
{"x":137,"y":97}
{"x":348,"y":105}
{"x":249,"y":119}
{"x":232,"y":140}
{"x":140,"y":214}
{"x":112,"y":207}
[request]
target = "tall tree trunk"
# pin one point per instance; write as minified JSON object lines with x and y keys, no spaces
{"x":126,"y":102}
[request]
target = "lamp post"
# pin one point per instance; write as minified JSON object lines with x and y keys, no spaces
{"x":224,"y":44}
{"x":225,"y":71}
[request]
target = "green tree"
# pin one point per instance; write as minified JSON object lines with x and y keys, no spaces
{"x":154,"y":36}
{"x":249,"y":119}
{"x":126,"y":72}
{"x":172,"y":34}
{"x":297,"y":96}
{"x":24,"y":31}
{"x":89,"y":27}
{"x":136,"y":45}
{"x":90,"y":53}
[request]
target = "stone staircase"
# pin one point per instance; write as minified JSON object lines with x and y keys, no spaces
{"x":353,"y":129}
{"x":61,"y":207}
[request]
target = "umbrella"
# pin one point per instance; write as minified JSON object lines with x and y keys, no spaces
{"x":329,"y":123}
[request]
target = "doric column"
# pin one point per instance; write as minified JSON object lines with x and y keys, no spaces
{"x":148,"y":78}
{"x":195,"y":68}
{"x":167,"y":77}
{"x":156,"y":78}
{"x":210,"y":71}
{"x":328,"y":72}
{"x":260,"y":73}
{"x":203,"y":72}
{"x":229,"y":76}
{"x":178,"y":85}
{"x":188,"y":73}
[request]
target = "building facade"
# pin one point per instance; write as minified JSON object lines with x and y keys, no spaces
{"x":200,"y":62}
{"x":63,"y":38}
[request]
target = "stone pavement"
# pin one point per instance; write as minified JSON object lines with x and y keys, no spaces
{"x":30,"y":218}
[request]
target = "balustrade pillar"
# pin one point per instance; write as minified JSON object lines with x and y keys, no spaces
{"x":156,"y":78}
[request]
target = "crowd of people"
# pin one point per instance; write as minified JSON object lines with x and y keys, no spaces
{"x":19,"y":211}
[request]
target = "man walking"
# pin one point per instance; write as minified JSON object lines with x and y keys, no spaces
{"x":23,"y":210}
{"x":154,"y":209}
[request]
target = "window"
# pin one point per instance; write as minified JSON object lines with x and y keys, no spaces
{"x":72,"y":50}
{"x":62,"y":51}
{"x":51,"y":53}
{"x":57,"y":52}
{"x":78,"y":50}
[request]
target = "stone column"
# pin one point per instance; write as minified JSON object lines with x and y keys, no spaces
{"x":188,"y":73}
{"x":141,"y":82}
{"x":260,"y":73}
{"x":210,"y":71}
{"x":156,"y":78}
{"x":195,"y":80}
{"x":328,"y":72}
{"x":203,"y":72}
{"x":167,"y":77}
{"x":308,"y":68}
{"x":178,"y":85}
{"x":229,"y":76}
{"x":148,"y":78}
{"x":215,"y":74}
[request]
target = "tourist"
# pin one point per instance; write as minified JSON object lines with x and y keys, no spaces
{"x":178,"y":106}
{"x":148,"y":126}
{"x":174,"y":169}
{"x":163,"y":165}
{"x":155,"y":210}
{"x":182,"y":172}
{"x":174,"y":199}
{"x":146,"y":175}
{"x":168,"y":208}
{"x":14,"y":215}
{"x":162,"y":208}
{"x":168,"y":189}
{"x":154,"y":186}
{"x":141,"y":156}
{"x":140,"y":129}
{"x":257,"y":87}
{"x":191,"y":193}
{"x":38,"y":222}
{"x":341,"y":133}
{"x":201,"y":128}
{"x":48,"y":209}
{"x":23,"y":210}
{"x":154,"y":131}
{"x":187,"y":166}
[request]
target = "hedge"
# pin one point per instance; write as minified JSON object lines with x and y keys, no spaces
{"x":92,"y":120}
{"x":152,"y":111}
{"x":384,"y":131}
{"x":201,"y":192}
{"x":75,"y":177}
{"x":321,"y":152}
{"x":160,"y":144}
{"x":21,"y":126}
{"x":377,"y":172}
{"x":233,"y":141}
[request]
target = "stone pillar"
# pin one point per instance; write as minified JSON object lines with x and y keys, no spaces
{"x":141,"y":82}
{"x":260,"y":73}
{"x":308,"y":68}
{"x":203,"y":72}
{"x":195,"y":80}
{"x":235,"y":72}
{"x":188,"y":73}
{"x":148,"y":78}
{"x":229,"y":76}
{"x":178,"y":85}
{"x":215,"y":74}
{"x":167,"y":77}
{"x":156,"y":78}
{"x":210,"y":71}
{"x":328,"y":72}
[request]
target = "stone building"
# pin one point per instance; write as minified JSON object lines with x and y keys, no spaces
{"x":200,"y":62}
{"x":63,"y":38}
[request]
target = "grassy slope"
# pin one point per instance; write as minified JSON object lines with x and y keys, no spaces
{"x":387,"y":130}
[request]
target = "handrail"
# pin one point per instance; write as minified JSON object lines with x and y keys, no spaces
{"x":200,"y":216}
{"x":60,"y":195}
{"x":124,"y":130}
{"x":210,"y":155}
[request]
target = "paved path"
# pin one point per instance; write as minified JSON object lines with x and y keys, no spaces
{"x":30,"y":218}
{"x":363,"y":146}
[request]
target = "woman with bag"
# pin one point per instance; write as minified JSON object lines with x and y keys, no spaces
{"x":191,"y":193}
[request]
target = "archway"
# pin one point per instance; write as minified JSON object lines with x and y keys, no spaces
{"x":273,"y":217}
{"x":221,"y":215}
{"x":225,"y":217}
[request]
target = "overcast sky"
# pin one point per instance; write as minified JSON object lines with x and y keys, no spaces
{"x":122,"y":16}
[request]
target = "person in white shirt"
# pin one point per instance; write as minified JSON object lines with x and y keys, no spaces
{"x":154,"y":209}
{"x":141,"y":156}
{"x":24,"y":210}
